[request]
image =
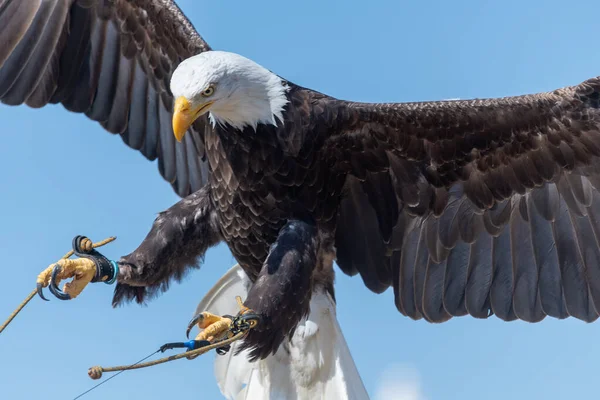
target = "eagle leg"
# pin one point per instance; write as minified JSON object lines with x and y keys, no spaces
{"x":281,"y":293}
{"x":176,"y":244}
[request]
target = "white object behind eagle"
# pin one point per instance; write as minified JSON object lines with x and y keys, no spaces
{"x":315,"y":365}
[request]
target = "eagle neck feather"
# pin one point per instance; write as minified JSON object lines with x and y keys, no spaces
{"x":254,"y":104}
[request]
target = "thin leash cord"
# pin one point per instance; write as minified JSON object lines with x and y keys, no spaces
{"x":34,"y":292}
{"x":18,"y":310}
{"x":112,"y":376}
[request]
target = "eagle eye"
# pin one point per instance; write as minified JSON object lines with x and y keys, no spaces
{"x":208,"y":91}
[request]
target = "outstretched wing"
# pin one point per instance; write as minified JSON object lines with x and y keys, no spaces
{"x":112,"y":61}
{"x":475,"y":207}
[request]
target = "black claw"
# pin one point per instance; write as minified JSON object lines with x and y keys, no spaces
{"x":40,"y":291}
{"x":193,"y":322}
{"x":53,"y":288}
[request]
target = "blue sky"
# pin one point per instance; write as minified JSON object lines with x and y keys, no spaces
{"x":62,"y":175}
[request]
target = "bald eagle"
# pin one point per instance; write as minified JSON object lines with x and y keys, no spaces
{"x":467,"y":207}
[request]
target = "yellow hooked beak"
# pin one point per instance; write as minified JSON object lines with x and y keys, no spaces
{"x":184,"y":115}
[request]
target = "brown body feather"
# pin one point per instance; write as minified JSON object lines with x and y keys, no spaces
{"x":480,"y":207}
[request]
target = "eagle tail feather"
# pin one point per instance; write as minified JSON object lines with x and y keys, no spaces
{"x":315,"y":364}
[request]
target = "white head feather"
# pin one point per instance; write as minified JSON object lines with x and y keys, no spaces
{"x":245,"y":93}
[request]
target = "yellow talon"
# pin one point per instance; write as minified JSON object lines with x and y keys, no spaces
{"x":82,"y":270}
{"x":213,"y":326}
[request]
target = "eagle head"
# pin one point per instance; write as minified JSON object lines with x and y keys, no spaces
{"x":232,"y":89}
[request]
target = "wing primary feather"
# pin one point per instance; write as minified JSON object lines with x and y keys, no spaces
{"x":436,"y":249}
{"x":479,"y":278}
{"x":433,"y":293}
{"x":18,"y":59}
{"x":136,"y":126}
{"x":380,"y":191}
{"x":404,"y":288}
{"x":119,"y":113}
{"x":16,"y":17}
{"x":526,"y":298}
{"x":48,"y":82}
{"x":420,"y":269}
{"x":108,"y":75}
{"x":34,"y":69}
{"x":345,"y":227}
{"x":593,"y":269}
{"x":150,"y":148}
{"x":448,"y":221}
{"x":73,"y":58}
{"x":501,"y":292}
{"x":588,"y":248}
{"x":456,"y":279}
{"x":541,"y":207}
{"x":167,"y":143}
{"x":84,"y":91}
{"x":571,"y":264}
{"x":359,"y":242}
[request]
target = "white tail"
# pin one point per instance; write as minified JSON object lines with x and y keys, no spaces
{"x":316,"y":364}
